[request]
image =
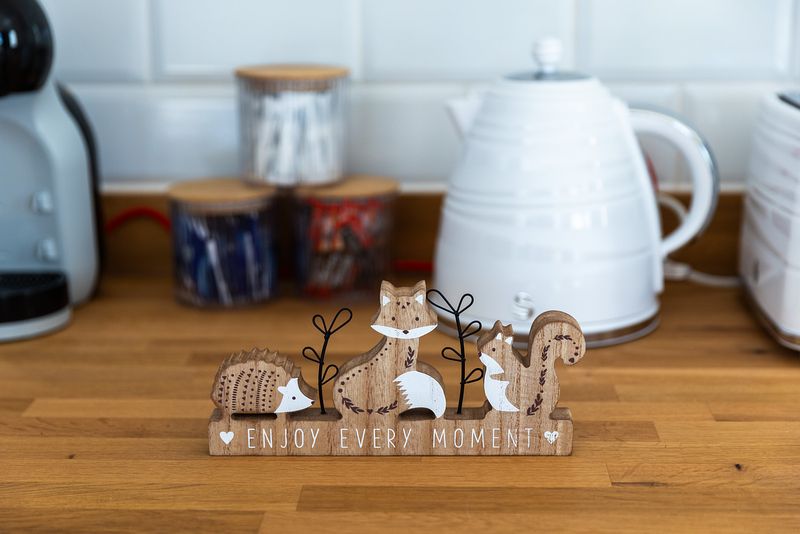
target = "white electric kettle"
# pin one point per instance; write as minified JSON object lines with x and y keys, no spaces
{"x":551,"y":205}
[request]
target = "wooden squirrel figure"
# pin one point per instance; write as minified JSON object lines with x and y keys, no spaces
{"x":528,"y":383}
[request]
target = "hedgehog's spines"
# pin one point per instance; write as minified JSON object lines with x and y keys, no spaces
{"x":256,"y":374}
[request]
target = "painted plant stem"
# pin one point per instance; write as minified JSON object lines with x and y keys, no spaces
{"x":460,"y":356}
{"x":309,"y":353}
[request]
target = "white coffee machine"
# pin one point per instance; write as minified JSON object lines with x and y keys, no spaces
{"x":48,"y":241}
{"x":769,"y":260}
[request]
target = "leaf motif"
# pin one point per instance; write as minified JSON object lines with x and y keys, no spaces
{"x":325,"y":377}
{"x":308,"y":352}
{"x":471,"y":329}
{"x":470,"y":380}
{"x":537,"y":403}
{"x":410,"y":359}
{"x":449,"y":307}
{"x":447,"y":350}
{"x":383,"y":410}
{"x":351,"y":406}
{"x":334,"y":327}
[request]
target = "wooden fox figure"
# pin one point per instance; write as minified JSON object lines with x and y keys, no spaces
{"x":528,"y":383}
{"x":389,"y":379}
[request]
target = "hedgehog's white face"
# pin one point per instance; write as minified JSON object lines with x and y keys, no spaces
{"x":293,"y":399}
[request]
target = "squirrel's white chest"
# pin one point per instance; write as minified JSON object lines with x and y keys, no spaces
{"x":494,"y":389}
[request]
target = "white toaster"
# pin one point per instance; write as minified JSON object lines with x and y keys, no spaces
{"x":769,"y":260}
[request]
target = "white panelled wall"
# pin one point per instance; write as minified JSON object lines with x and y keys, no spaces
{"x":156,"y":75}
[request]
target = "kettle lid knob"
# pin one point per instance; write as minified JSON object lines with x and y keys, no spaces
{"x":547,"y":53}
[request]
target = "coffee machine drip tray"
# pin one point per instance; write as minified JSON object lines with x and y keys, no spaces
{"x":32,"y":303}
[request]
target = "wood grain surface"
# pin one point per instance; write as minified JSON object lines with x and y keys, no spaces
{"x":103,"y":427}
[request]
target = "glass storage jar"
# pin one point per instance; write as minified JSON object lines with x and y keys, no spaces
{"x":223,"y":242}
{"x":342,"y":235}
{"x":291,"y":123}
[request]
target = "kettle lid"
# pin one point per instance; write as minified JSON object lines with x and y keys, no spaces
{"x":547,"y":54}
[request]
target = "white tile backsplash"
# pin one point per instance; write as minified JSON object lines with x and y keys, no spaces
{"x":669,"y":39}
{"x":725,"y":115}
{"x":666,"y":96}
{"x":155,"y":75}
{"x":209,"y":38}
{"x":163,"y":132}
{"x":402,"y":131}
{"x":100,"y":39}
{"x":459,"y":39}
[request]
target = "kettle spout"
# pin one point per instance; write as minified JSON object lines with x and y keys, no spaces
{"x":463,"y":110}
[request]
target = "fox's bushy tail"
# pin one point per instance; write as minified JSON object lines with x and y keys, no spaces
{"x":422,"y":391}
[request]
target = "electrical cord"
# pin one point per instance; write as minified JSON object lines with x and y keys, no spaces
{"x":679,"y":271}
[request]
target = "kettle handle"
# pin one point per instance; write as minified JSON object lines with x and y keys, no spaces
{"x":703,"y":169}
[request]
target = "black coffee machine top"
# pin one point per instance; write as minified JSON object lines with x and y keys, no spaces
{"x":26,"y":46}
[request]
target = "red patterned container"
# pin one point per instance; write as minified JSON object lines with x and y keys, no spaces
{"x":342,"y":235}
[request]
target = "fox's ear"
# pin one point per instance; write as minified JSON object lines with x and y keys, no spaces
{"x":387,"y":292}
{"x":419,"y":294}
{"x":499,"y":336}
{"x":509,"y":340}
{"x":282,"y":389}
{"x":387,"y":287}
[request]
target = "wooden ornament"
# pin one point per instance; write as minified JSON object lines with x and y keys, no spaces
{"x":387,"y":402}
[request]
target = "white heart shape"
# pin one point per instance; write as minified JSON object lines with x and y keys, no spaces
{"x":551,"y":437}
{"x":226,"y":437}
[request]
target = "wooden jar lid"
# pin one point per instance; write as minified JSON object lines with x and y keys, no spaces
{"x":359,"y":186}
{"x":281,"y":73}
{"x":219,"y":193}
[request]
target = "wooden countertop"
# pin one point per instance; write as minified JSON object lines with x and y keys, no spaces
{"x":696,"y":427}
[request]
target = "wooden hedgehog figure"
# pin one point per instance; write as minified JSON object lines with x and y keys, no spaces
{"x":260,"y":381}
